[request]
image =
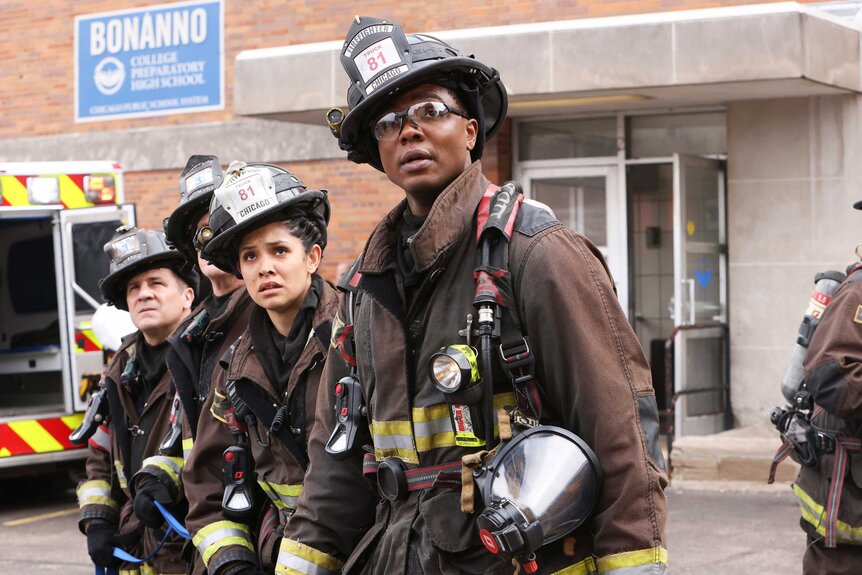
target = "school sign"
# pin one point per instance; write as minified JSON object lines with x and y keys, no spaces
{"x":150,"y":61}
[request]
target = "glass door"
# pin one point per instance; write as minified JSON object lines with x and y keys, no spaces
{"x":587,"y":200}
{"x":700,"y":296}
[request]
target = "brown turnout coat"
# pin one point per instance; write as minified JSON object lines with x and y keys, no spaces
{"x":220,"y":540}
{"x":592,"y":375}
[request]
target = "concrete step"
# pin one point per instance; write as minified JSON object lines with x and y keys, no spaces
{"x":741,"y":454}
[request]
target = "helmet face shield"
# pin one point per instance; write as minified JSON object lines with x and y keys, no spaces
{"x":537,"y":488}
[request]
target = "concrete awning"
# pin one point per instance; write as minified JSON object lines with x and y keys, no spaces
{"x":670,"y":59}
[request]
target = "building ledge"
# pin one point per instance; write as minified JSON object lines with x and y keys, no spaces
{"x":669,"y":59}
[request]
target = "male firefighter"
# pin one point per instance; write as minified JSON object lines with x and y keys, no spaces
{"x":155,"y":285}
{"x":830,"y":491}
{"x":198,"y":343}
{"x":440,"y":328}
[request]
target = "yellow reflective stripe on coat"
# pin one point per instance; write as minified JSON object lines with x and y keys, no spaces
{"x":172,"y":466}
{"x":432,"y":425}
{"x":394,"y":439}
{"x":188,"y":444}
{"x":295,"y":558}
{"x":585,"y":567}
{"x":283,"y":495}
{"x":121,"y":476}
{"x":640,"y":562}
{"x":96,"y":492}
{"x":815,"y":514}
{"x":219,"y":535}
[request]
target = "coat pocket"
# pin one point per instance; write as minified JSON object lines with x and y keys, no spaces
{"x":449,"y":529}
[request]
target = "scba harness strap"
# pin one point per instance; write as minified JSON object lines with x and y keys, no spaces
{"x":495,"y":222}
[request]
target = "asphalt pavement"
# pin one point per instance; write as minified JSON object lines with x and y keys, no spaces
{"x":719,"y":528}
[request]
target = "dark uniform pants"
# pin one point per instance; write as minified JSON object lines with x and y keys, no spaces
{"x":842,"y":560}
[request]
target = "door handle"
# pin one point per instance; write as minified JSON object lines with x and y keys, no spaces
{"x":688,"y":283}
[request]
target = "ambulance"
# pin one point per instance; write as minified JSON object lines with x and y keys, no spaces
{"x":54,"y":219}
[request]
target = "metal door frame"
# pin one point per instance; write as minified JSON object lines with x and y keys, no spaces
{"x":615,"y":207}
{"x":685,"y":320}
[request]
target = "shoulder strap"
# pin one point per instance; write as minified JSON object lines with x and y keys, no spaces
{"x":498,"y":212}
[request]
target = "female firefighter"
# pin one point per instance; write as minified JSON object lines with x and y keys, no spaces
{"x":246,"y":469}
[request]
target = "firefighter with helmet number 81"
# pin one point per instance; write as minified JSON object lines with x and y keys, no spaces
{"x":154,"y":283}
{"x":480,"y":353}
{"x":246,"y":468}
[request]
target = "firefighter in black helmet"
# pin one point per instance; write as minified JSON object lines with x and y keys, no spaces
{"x":468,"y":299}
{"x":247,"y":466}
{"x":199,"y":341}
{"x":154,"y":283}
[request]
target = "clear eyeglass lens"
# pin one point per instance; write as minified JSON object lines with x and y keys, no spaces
{"x":389,"y":126}
{"x":446,"y":372}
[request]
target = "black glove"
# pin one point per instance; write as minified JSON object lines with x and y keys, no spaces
{"x":100,"y":545}
{"x":151,"y":490}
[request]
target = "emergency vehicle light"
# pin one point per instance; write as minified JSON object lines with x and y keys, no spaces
{"x":100,"y":189}
{"x":43,"y":190}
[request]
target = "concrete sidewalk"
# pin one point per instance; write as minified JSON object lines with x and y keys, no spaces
{"x":741,"y":454}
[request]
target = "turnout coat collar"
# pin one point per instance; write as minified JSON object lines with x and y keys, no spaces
{"x":450,"y":218}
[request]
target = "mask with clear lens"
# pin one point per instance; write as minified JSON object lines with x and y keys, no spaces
{"x":389,"y":125}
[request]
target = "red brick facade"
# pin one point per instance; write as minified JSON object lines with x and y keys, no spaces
{"x":37,"y":84}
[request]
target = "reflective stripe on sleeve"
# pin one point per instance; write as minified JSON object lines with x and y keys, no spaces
{"x":295,"y":558}
{"x":585,"y":567}
{"x":433,"y":427}
{"x":641,"y":562}
{"x":393,"y":439}
{"x":219,"y":535}
{"x":172,"y":466}
{"x":96,"y":492}
{"x":121,"y":475}
{"x":815,"y":514}
{"x":188,"y":444}
{"x":283,"y":496}
{"x":101,"y":440}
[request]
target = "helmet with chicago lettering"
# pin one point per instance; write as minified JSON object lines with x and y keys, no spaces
{"x":199,"y":178}
{"x":133,"y":251}
{"x":380,"y":60}
{"x":252,"y":196}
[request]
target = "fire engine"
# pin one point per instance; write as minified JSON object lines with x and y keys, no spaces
{"x":54,"y":219}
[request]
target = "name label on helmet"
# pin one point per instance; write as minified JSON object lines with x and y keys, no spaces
{"x":248,"y":195}
{"x":376,"y":58}
{"x":199,"y":179}
{"x":365,"y":33}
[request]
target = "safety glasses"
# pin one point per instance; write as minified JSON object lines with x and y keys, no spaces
{"x":420,"y":115}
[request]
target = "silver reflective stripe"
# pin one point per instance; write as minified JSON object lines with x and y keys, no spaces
{"x":163,"y":462}
{"x":432,"y":427}
{"x":278,"y":496}
{"x":393,"y":442}
{"x":216,"y":536}
{"x":291,"y":561}
{"x":652,"y":569}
